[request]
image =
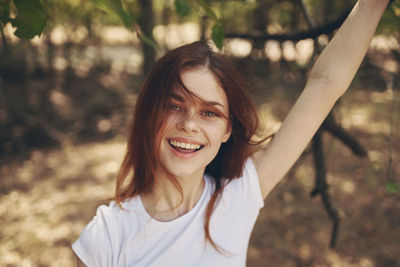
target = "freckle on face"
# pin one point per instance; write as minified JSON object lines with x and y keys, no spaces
{"x":209,"y":132}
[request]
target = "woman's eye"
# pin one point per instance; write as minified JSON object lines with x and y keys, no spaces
{"x":210,"y":114}
{"x":175,"y":107}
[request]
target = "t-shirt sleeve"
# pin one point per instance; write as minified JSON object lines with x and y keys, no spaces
{"x":248,"y":185}
{"x":94,"y":245}
{"x":250,"y":177}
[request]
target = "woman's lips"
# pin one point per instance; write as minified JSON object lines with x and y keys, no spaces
{"x":184,"y":148}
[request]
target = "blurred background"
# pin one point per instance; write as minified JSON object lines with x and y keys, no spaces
{"x":67,"y":96}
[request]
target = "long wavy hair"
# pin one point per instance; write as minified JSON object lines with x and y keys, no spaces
{"x":138,"y":169}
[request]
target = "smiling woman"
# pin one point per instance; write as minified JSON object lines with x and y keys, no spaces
{"x":193,"y":181}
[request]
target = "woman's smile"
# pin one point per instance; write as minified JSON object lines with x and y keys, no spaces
{"x":196,"y":126}
{"x":184,"y":148}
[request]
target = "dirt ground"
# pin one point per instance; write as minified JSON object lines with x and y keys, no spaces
{"x":49,"y":195}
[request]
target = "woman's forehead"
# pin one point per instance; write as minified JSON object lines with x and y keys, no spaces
{"x":202,"y":84}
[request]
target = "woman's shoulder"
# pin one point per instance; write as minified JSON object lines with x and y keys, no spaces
{"x":120,"y":214}
{"x":114,"y":219}
{"x":246,"y":185}
{"x":112,"y":225}
{"x":248,"y":176}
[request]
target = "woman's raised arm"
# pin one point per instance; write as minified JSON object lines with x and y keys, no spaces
{"x":329,"y":78}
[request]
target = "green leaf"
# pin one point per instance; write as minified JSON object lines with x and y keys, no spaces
{"x":148,"y":41}
{"x":115,"y":7}
{"x":31,"y":18}
{"x":217,"y":34}
{"x":4,"y":11}
{"x":182,"y":8}
{"x":392,"y":187}
{"x":207,"y":9}
{"x":390,"y":21}
{"x":396,"y":8}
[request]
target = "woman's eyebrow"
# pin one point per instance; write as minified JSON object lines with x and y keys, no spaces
{"x":207,"y":103}
{"x":178,"y":98}
{"x":213,"y":103}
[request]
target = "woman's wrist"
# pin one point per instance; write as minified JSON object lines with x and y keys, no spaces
{"x":374,"y":5}
{"x":375,"y":2}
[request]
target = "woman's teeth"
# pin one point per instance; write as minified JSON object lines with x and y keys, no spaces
{"x":184,"y":145}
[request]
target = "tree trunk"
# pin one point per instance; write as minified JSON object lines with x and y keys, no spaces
{"x":146,"y":23}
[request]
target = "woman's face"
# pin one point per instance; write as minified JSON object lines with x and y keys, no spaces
{"x":195,"y":128}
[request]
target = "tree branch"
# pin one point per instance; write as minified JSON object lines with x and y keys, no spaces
{"x":321,"y":186}
{"x":312,"y":33}
{"x":340,"y":133}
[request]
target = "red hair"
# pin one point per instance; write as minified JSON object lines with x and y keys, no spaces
{"x":137,"y":172}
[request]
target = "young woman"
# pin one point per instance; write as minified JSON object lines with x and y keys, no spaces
{"x":192,"y":183}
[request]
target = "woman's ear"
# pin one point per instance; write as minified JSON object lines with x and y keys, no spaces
{"x":227,"y":134}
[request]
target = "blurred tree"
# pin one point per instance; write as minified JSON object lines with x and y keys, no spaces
{"x":254,"y":20}
{"x":146,"y":22}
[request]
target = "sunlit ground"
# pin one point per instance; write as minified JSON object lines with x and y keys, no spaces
{"x":47,"y":197}
{"x":50,"y":196}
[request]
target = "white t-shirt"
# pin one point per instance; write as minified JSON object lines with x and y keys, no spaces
{"x":130,"y":237}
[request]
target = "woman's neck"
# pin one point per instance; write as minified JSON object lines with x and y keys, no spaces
{"x":166,"y":203}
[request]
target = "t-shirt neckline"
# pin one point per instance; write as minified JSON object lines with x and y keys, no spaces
{"x":184,"y":216}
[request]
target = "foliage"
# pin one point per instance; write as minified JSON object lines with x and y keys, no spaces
{"x":217,"y":31}
{"x":391,"y":20}
{"x":115,"y":7}
{"x":218,"y":34}
{"x":182,"y":8}
{"x":392,"y":187}
{"x":30,"y":17}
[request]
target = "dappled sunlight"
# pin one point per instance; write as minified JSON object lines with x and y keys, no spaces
{"x":117,"y":35}
{"x":48,"y":197}
{"x":363,"y":116}
{"x":127,"y":58}
{"x":376,"y":156}
{"x":238,"y":47}
{"x":300,"y":52}
{"x":174,"y":35}
{"x":66,"y":98}
{"x":347,"y":186}
{"x":59,"y":191}
{"x":335,"y":260}
{"x":60,"y":63}
{"x":305,"y":50}
{"x":119,"y":47}
{"x":359,"y":119}
{"x":58,"y":35}
{"x":381,"y":97}
{"x":323,"y":39}
{"x":391,"y":66}
{"x":384,"y":43}
{"x":305,"y":252}
{"x":269,"y":122}
{"x":61,"y":103}
{"x":288,"y":51}
{"x":294,"y":229}
{"x":8,"y":31}
{"x":273,"y":51}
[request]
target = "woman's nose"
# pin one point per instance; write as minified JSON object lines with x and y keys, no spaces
{"x":189,"y":123}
